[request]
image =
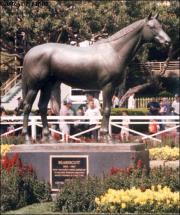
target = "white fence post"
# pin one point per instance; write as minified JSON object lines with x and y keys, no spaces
{"x":33,"y":128}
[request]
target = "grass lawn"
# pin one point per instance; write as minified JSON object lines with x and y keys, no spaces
{"x":38,"y":208}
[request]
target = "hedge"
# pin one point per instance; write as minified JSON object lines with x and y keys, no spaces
{"x":79,"y":195}
{"x":131,"y":112}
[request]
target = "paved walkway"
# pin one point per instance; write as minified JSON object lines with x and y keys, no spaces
{"x":156,"y":163}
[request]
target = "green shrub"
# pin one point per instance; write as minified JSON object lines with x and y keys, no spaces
{"x":131,"y":112}
{"x":79,"y":195}
{"x":20,"y":186}
{"x":12,"y":140}
{"x":165,"y":94}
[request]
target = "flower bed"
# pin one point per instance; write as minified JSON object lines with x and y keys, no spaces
{"x":19,"y":184}
{"x":156,"y":199}
{"x":164,"y":153}
{"x":80,"y":195}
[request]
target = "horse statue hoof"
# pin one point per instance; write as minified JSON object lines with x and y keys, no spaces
{"x":104,"y":133}
{"x":48,"y":139}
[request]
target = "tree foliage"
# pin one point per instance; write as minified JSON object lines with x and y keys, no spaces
{"x":35,"y":22}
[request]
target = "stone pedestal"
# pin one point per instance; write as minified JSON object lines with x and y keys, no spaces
{"x":69,"y":160}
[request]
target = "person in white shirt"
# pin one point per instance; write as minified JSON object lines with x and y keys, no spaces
{"x":115,"y":102}
{"x":175,"y":105}
{"x":131,"y":102}
{"x":92,"y":112}
{"x":66,"y":110}
{"x":175,"y":108}
{"x":96,"y":101}
{"x":125,"y":124}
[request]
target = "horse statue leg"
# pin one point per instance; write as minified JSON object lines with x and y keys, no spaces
{"x":27,"y":104}
{"x":53,"y":90}
{"x":108,"y":91}
{"x":55,"y":100}
{"x":43,"y":103}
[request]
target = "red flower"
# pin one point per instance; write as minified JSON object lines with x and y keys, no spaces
{"x":139,"y":164}
{"x":5,"y":162}
{"x":114,"y":170}
{"x":30,"y":168}
{"x":14,"y":160}
{"x":19,"y":163}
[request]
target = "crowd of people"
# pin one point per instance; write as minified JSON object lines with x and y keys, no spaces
{"x":92,"y":109}
{"x":164,"y":108}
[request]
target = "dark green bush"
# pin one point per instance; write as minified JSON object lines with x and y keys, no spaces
{"x":165,"y":94}
{"x":164,"y":176}
{"x":79,"y":195}
{"x":131,"y":112}
{"x":20,"y":186}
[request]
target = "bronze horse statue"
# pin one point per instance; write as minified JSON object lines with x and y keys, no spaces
{"x":100,"y":66}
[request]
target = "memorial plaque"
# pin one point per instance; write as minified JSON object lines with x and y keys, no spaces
{"x":67,"y":167}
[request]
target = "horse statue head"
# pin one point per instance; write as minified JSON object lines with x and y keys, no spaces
{"x":153,"y":31}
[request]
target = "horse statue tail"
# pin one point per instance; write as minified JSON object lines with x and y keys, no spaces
{"x":24,"y":93}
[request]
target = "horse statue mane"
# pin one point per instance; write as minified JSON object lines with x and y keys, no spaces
{"x":123,"y":32}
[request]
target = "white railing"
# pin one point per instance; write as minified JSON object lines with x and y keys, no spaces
{"x":9,"y":84}
{"x":35,"y":121}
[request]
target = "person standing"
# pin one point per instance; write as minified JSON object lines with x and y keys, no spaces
{"x":131,"y":102}
{"x":115,"y":102}
{"x":175,"y":107}
{"x":168,"y":105}
{"x":162,"y":111}
{"x":92,"y":112}
{"x":153,"y":107}
{"x":66,"y":110}
{"x":96,"y":101}
{"x":125,"y":124}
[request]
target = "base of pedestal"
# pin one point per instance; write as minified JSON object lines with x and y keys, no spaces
{"x":55,"y":163}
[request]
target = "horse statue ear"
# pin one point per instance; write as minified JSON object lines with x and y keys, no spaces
{"x":149,"y":17}
{"x":156,"y":16}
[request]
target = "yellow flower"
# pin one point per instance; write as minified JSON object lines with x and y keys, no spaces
{"x":152,"y":187}
{"x":112,"y":208}
{"x":167,"y":201}
{"x":97,"y":200}
{"x":5,"y":148}
{"x":164,"y":153}
{"x":123,"y":205}
{"x":159,"y":187}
